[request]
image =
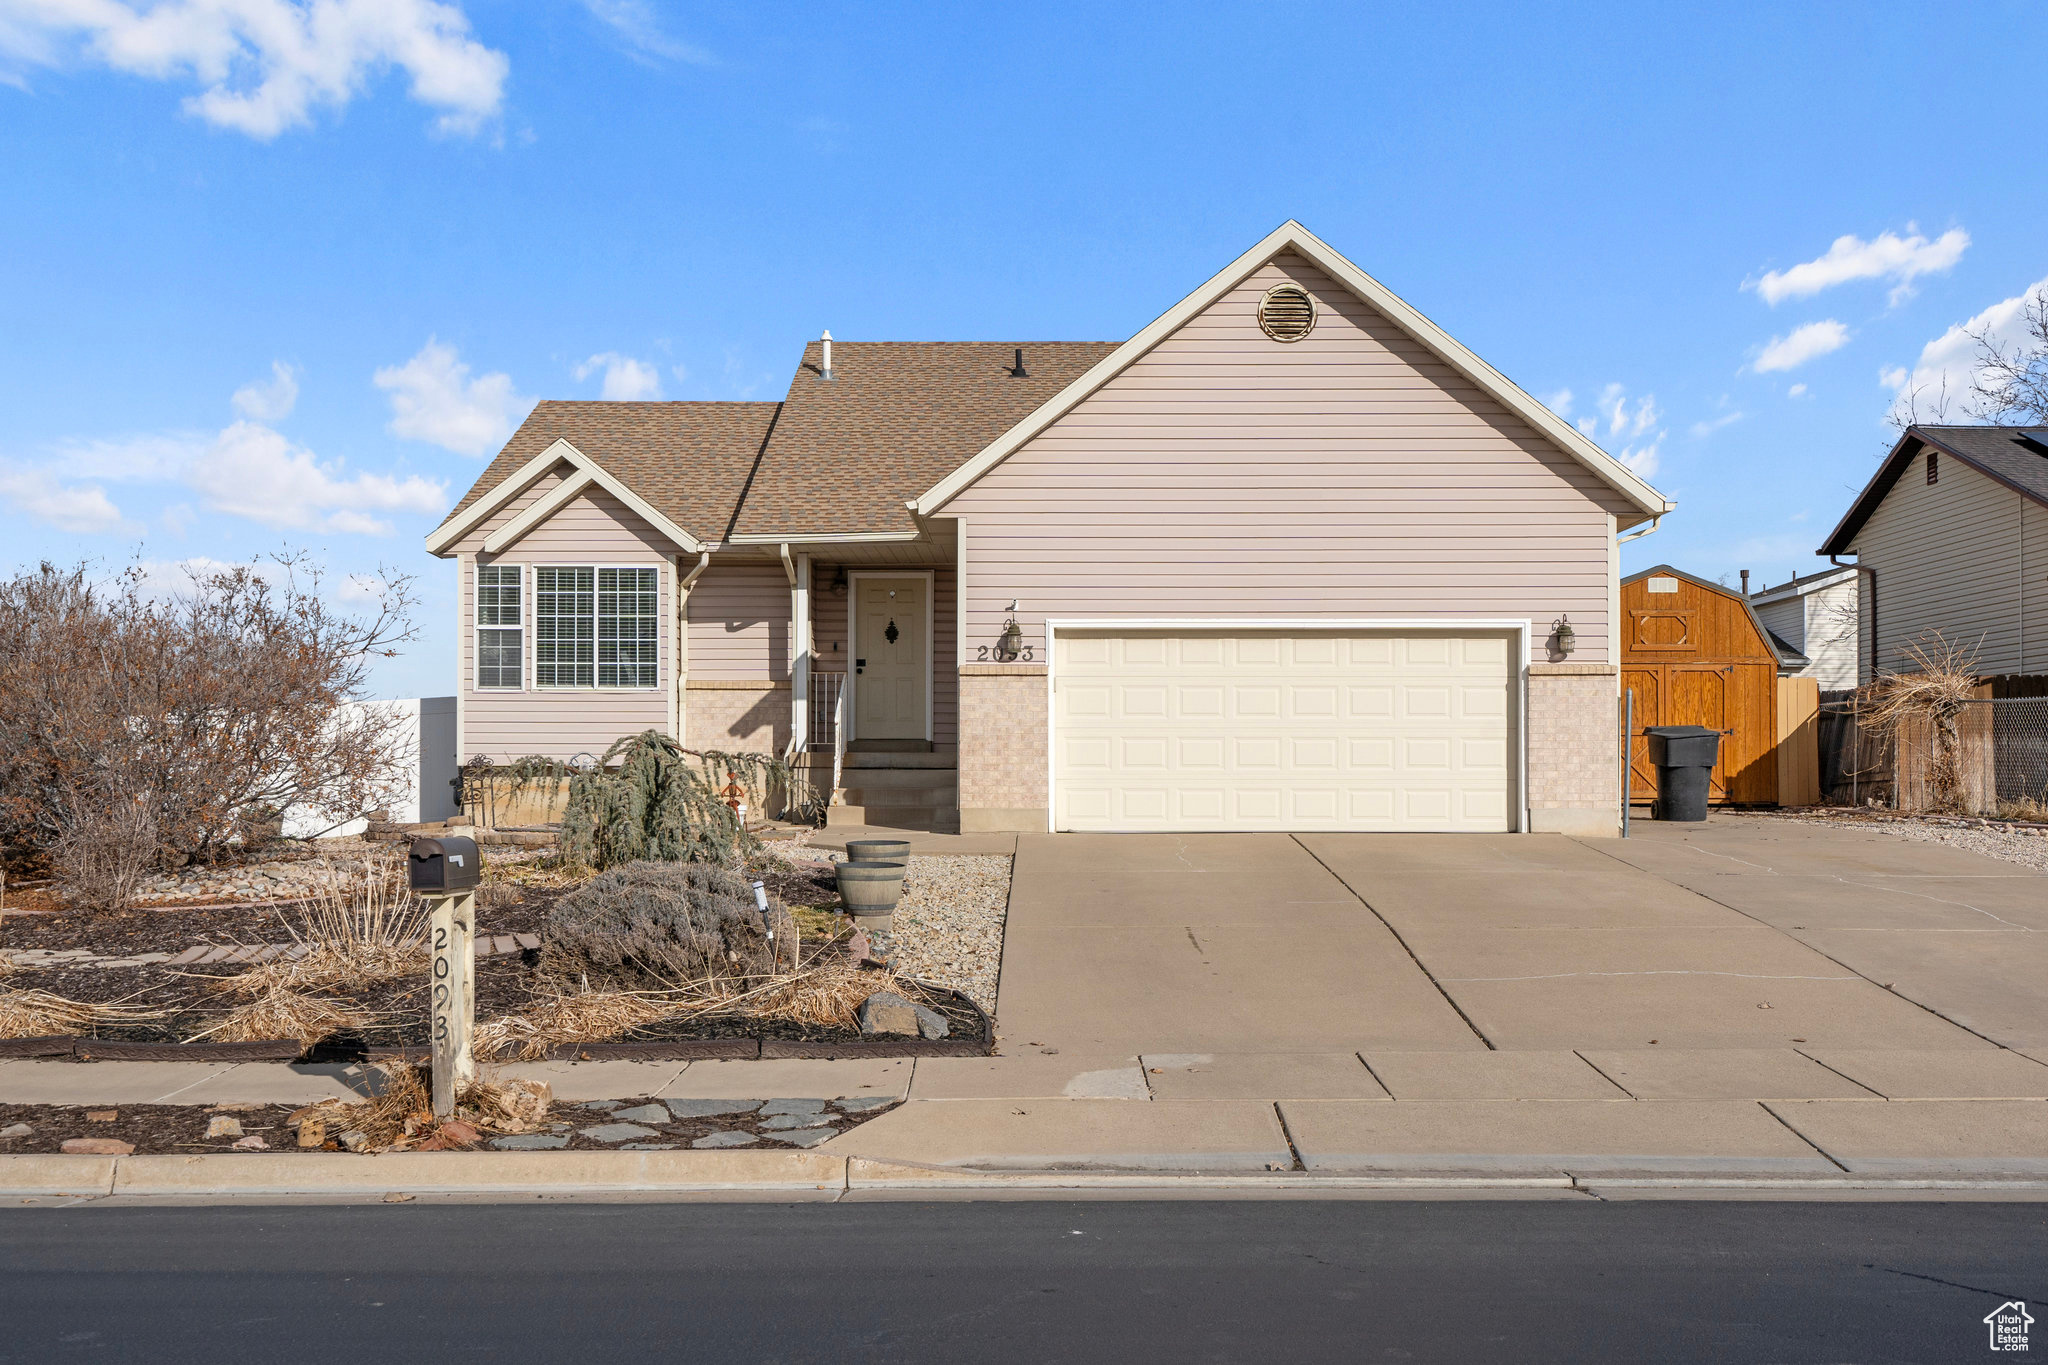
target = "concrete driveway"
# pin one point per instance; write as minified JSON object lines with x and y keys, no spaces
{"x":1744,"y":933}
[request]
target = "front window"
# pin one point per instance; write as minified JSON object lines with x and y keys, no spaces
{"x":499,"y":655}
{"x":596,"y":627}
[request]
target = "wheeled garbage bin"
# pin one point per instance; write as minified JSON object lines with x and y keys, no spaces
{"x":1684,"y":757}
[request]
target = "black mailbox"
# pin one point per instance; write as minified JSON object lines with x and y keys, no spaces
{"x":449,"y":864}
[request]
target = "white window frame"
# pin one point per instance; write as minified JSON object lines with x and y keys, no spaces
{"x":661,"y":630}
{"x":477,"y":629}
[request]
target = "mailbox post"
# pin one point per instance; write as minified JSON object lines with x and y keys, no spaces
{"x":445,"y":872}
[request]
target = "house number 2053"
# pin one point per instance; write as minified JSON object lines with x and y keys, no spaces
{"x":981,"y":654}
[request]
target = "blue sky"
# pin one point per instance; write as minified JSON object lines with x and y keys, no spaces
{"x":263,"y":292}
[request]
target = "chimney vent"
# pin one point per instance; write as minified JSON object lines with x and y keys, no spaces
{"x":1017,"y":372}
{"x":1745,"y":582}
{"x":826,"y":371}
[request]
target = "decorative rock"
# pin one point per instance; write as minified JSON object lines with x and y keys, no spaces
{"x":102,"y":1115}
{"x":313,"y":1131}
{"x":531,"y":1142}
{"x":252,"y":1143}
{"x":605,"y":1105}
{"x":807,"y":1137}
{"x":355,"y":1139}
{"x":617,"y":1132}
{"x":793,"y":1107}
{"x":648,"y":1147}
{"x":864,"y":1103}
{"x":98,"y":1147}
{"x":710,"y":1109}
{"x":888,"y":1012}
{"x":15,"y":1130}
{"x":646,"y":1113}
{"x":775,"y":1121}
{"x":223,"y":1126}
{"x":725,"y":1140}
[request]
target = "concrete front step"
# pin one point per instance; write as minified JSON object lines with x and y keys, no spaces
{"x":946,"y":759}
{"x":906,"y":780}
{"x":928,"y":819}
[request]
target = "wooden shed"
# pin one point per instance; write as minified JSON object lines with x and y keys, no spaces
{"x":1694,"y":653}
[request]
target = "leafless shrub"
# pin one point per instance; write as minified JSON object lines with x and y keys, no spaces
{"x":150,"y":729}
{"x":359,"y":930}
{"x":2011,"y":384}
{"x":1936,"y":691}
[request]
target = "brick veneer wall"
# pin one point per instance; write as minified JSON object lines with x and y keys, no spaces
{"x":1574,"y":749}
{"x":738,"y":716}
{"x":1002,"y":747}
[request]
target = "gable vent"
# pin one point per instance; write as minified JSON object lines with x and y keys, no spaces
{"x":1287,"y":313}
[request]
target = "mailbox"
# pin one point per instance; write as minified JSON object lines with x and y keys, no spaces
{"x":449,"y":864}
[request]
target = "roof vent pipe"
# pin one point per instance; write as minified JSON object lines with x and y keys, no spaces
{"x":1745,"y":582}
{"x":826,"y":373}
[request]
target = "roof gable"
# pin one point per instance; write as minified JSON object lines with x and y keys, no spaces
{"x":1292,"y":237}
{"x":1786,"y":655}
{"x":2014,"y":456}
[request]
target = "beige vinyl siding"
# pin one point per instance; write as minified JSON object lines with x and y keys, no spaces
{"x":1949,"y":558}
{"x":1351,"y":474}
{"x":560,"y":722}
{"x":2034,"y":588}
{"x":1832,"y":647}
{"x":1786,"y":620}
{"x":739,"y":622}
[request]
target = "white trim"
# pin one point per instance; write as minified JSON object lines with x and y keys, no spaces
{"x":558,"y":497}
{"x":595,"y":688}
{"x":559,"y":452}
{"x":843,"y":538}
{"x":931,"y":591}
{"x":959,"y":591}
{"x":461,"y":632}
{"x":800,"y":655}
{"x":1292,"y":236}
{"x":1820,"y":582}
{"x":517,"y":482}
{"x":1520,"y":628}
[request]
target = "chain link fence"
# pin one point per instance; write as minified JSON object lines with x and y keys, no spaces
{"x":2003,"y":758}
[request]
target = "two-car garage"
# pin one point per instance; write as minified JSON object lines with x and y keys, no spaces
{"x":1191,"y":728}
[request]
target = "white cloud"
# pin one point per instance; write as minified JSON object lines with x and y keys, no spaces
{"x":1796,"y":391}
{"x":81,"y":509}
{"x":433,"y":399}
{"x":1632,"y":422}
{"x":1560,"y":402}
{"x":265,"y":65}
{"x":625,"y":379}
{"x":640,"y":26}
{"x":1714,"y":424}
{"x":138,"y":458}
{"x":252,"y":471}
{"x":1800,"y":345}
{"x":271,"y":402}
{"x":359,"y":588}
{"x":1621,"y":419}
{"x":1948,"y":364}
{"x":1886,"y":256}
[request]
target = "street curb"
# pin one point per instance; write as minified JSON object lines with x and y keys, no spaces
{"x":530,"y":1175}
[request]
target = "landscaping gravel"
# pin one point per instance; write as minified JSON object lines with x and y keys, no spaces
{"x":2021,"y":844}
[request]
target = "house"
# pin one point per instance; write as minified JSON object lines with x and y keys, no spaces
{"x":1289,"y":558}
{"x":1951,"y":535}
{"x":1815,"y":616}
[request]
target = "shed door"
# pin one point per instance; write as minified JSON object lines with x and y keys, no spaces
{"x":1255,"y":730}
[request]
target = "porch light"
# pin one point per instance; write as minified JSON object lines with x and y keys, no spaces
{"x":1012,"y":642}
{"x":1563,"y":640}
{"x":839,"y":580}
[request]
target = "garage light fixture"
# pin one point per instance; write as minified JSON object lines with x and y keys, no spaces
{"x":1563,"y":639}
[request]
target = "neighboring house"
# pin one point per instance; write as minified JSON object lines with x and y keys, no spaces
{"x":1815,"y":615}
{"x":423,"y":784}
{"x":1290,"y":558}
{"x":1951,"y":536}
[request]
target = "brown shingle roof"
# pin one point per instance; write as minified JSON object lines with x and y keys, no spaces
{"x":895,"y":418}
{"x":690,"y":460}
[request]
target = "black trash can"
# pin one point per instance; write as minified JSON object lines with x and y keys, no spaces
{"x":1684,"y":757}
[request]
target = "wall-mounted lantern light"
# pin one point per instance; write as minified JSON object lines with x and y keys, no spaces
{"x":1011,"y":644}
{"x":1563,"y":640}
{"x":839,"y":580}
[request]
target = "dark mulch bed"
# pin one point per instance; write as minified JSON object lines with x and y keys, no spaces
{"x":180,"y":1129}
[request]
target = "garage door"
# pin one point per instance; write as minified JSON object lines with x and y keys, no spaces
{"x":1249,"y":730}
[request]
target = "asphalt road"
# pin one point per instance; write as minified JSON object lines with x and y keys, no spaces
{"x":1663,"y":1282}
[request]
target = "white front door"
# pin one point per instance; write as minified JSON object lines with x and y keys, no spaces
{"x":1268,"y":730}
{"x":892,"y":658}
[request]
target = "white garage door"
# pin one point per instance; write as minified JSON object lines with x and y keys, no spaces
{"x":1249,"y":730}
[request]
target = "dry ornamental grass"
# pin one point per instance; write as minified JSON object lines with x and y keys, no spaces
{"x":358,"y":931}
{"x":282,"y":1012}
{"x":39,"y":1014}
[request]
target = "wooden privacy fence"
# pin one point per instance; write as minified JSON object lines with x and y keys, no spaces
{"x":2003,"y":750}
{"x":1798,"y":742}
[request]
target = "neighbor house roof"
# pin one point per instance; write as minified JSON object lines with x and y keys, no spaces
{"x":1802,"y":584}
{"x":2014,"y":456}
{"x":689,"y":461}
{"x":895,"y":418}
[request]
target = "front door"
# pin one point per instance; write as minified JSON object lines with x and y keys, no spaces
{"x":891,"y":659}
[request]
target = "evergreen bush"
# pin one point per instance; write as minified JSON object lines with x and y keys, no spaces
{"x":650,"y":798}
{"x":654,"y":924}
